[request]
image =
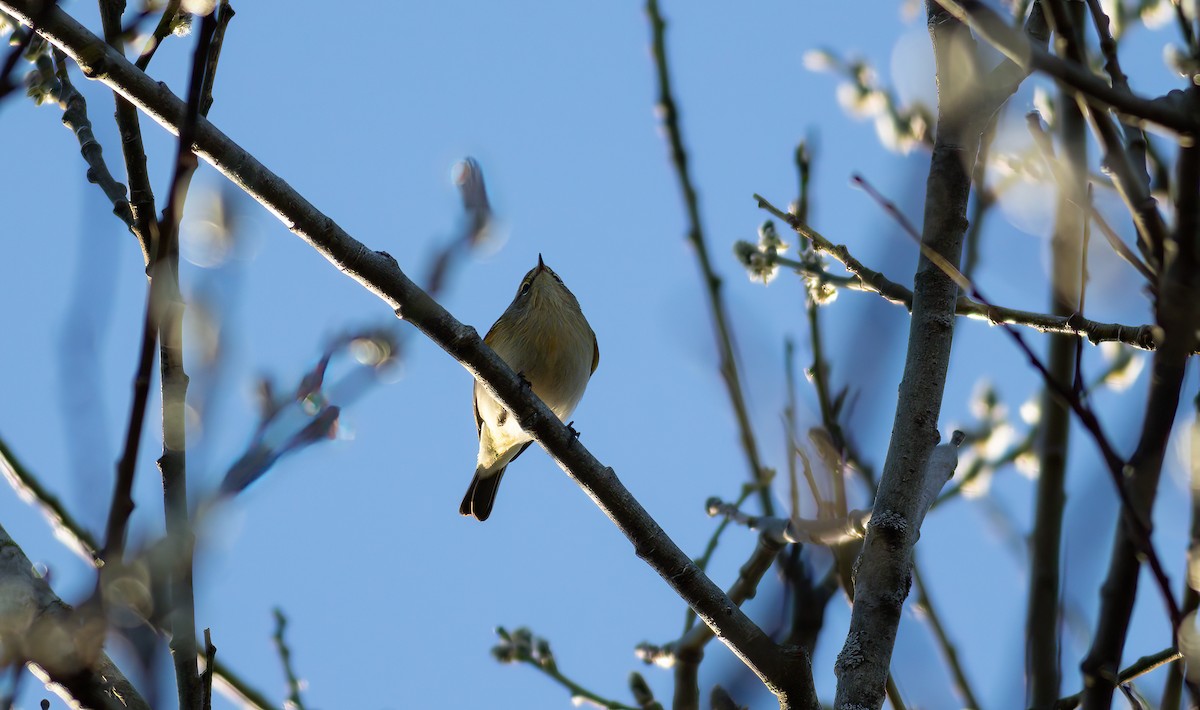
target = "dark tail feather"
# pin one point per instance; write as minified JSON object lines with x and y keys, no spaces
{"x":481,"y":495}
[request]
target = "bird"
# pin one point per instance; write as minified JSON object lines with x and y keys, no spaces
{"x":544,"y":337}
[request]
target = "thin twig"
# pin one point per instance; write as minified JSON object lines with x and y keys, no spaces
{"x":24,"y":39}
{"x":985,"y":198}
{"x":232,"y":685}
{"x":173,"y":462}
{"x":1135,"y":137}
{"x":789,"y":431}
{"x":1142,"y":337}
{"x":1138,"y":668}
{"x":161,"y":31}
{"x":27,"y":485}
{"x":75,"y":118}
{"x":121,"y":505}
{"x":285,"y":658}
{"x":1167,"y":112}
{"x":1173,"y":689}
{"x":1043,"y":654}
{"x":1036,"y":129}
{"x":709,"y":548}
{"x":724,"y":332}
{"x":1092,"y":99}
{"x":141,"y":194}
{"x":206,"y":677}
{"x":1176,"y":313}
{"x":225,"y":13}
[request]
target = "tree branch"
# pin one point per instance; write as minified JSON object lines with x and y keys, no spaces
{"x":70,"y":531}
{"x":884,"y":567}
{"x":141,"y":195}
{"x":1143,"y":337}
{"x":729,"y":364}
{"x":1176,"y":312}
{"x":169,"y":308}
{"x":1171,"y":112}
{"x":1043,"y":654}
{"x":61,"y":646}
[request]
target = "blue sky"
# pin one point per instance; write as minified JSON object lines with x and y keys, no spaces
{"x":392,"y":596}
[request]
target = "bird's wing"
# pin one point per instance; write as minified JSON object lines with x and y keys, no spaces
{"x":595,"y":353}
{"x":475,"y":408}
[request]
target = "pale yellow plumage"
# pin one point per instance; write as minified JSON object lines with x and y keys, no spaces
{"x":544,"y":337}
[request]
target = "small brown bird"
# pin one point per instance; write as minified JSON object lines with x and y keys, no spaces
{"x":544,"y":337}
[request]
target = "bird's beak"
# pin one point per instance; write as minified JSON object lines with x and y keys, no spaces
{"x":541,"y":264}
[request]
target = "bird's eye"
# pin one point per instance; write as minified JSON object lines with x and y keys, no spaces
{"x":525,"y":287}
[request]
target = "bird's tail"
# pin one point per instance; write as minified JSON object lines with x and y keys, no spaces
{"x":482,"y":493}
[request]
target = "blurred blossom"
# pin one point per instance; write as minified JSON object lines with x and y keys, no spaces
{"x":978,"y":486}
{"x":1111,"y":8}
{"x":913,"y":69}
{"x":1044,"y":104}
{"x":894,"y":135}
{"x":369,"y":351}
{"x":985,"y":402}
{"x":1125,"y":365}
{"x":768,"y":239}
{"x":204,"y":331}
{"x":1158,"y":14}
{"x":1193,"y":567}
{"x":198,"y":7}
{"x":819,"y":60}
{"x":181,"y":26}
{"x":1031,"y":410}
{"x":1029,"y":204}
{"x":1194,"y":457}
{"x":1189,"y":646}
{"x":860,"y":101}
{"x":761,"y":269}
{"x":208,"y":240}
{"x":743,"y":250}
{"x":999,"y":440}
{"x":821,"y":292}
{"x":900,"y":128}
{"x":760,"y":259}
{"x":130,"y":592}
{"x":1028,"y":464}
{"x":1181,"y":62}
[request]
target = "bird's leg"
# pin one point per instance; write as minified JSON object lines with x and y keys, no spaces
{"x":524,"y":380}
{"x":571,"y":427}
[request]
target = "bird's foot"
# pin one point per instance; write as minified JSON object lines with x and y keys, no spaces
{"x":573,"y":430}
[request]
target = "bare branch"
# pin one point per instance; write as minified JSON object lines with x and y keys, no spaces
{"x":61,"y":646}
{"x":1143,"y":337}
{"x":881,"y":584}
{"x":724,"y":332}
{"x":1170,"y":112}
